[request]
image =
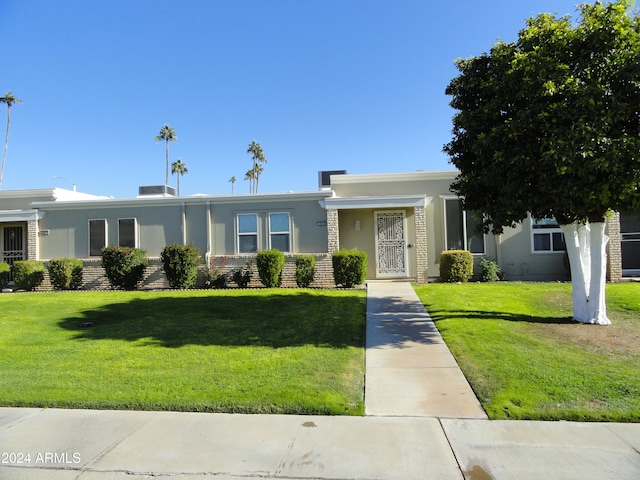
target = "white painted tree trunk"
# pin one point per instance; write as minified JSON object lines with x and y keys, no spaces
{"x":586,"y":248}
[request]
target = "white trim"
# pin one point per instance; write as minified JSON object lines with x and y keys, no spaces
{"x":19,"y":215}
{"x":382,"y":202}
{"x":541,"y":231}
{"x":288,"y":232}
{"x":135,"y":230}
{"x":238,"y":234}
{"x":393,"y":177}
{"x":249,"y":198}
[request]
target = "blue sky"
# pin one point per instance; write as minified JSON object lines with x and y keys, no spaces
{"x":321,"y":85}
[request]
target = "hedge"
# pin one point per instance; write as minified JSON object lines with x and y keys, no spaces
{"x":456,"y":266}
{"x":270,"y":264}
{"x":124,"y":266}
{"x":28,"y":274}
{"x":65,"y":273}
{"x":349,"y":267}
{"x":180,"y":264}
{"x":305,"y":270}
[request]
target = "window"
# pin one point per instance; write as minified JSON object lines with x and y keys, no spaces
{"x":247,"y":232}
{"x":97,"y":237}
{"x":127,"y":232}
{"x":279,"y":234}
{"x":462,"y":229}
{"x":547,"y":236}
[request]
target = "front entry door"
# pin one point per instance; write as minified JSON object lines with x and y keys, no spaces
{"x":391,"y":244}
{"x":12,"y":247}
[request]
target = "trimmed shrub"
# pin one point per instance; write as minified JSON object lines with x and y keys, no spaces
{"x":349,"y":267}
{"x":242,"y":276}
{"x":270,"y":264}
{"x":124,"y":266}
{"x":28,"y":274}
{"x":456,"y":266}
{"x":489,"y":270}
{"x":180,"y":264}
{"x":214,"y":274}
{"x":5,"y":271}
{"x":65,"y":273}
{"x":305,"y":270}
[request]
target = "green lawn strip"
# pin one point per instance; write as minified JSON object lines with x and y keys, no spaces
{"x":526,"y":359}
{"x":253,"y":351}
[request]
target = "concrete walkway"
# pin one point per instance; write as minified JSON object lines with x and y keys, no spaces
{"x":416,"y":428}
{"x":410,"y":370}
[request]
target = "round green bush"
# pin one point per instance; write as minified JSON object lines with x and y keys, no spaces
{"x":489,"y":270}
{"x":270,"y":264}
{"x":28,"y":274}
{"x":456,"y":266}
{"x":124,"y":266}
{"x":305,"y":270}
{"x":65,"y":273}
{"x":180,"y":264}
{"x":5,"y":271}
{"x":349,"y":267}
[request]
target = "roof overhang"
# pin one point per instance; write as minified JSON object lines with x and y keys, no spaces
{"x":394,"y":177}
{"x":386,"y":201}
{"x":7,"y":216}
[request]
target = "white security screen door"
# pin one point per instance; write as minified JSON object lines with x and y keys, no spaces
{"x":391,"y":244}
{"x":12,"y":247}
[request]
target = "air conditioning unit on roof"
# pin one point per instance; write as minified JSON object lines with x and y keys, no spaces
{"x":324,"y":178}
{"x":156,"y":191}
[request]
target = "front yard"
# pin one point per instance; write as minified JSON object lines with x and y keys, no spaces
{"x":252,"y":351}
{"x":526,"y":359}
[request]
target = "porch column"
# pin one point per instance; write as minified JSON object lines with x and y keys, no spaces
{"x":614,"y":248}
{"x":333,"y":231}
{"x":420,"y":218}
{"x":32,"y":240}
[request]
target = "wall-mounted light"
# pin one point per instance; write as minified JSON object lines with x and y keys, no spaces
{"x":357,"y":225}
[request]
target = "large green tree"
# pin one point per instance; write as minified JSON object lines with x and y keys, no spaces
{"x":168,"y":135}
{"x":9,"y":100}
{"x":550,"y":124}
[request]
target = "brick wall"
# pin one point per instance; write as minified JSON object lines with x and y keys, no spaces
{"x":94,"y":278}
{"x":333,"y":231}
{"x":614,"y":249}
{"x":420,"y":218}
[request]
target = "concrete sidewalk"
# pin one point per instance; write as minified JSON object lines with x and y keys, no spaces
{"x":403,"y":437}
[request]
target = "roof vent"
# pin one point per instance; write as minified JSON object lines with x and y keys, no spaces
{"x":156,"y":191}
{"x":324,"y":178}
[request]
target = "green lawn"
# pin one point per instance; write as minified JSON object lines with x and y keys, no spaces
{"x":253,"y":351}
{"x":526,"y":359}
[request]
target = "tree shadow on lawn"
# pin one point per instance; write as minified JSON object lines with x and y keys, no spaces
{"x":248,"y":320}
{"x":439,"y":315}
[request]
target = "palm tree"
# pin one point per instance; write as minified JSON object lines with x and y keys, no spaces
{"x":232,"y":180}
{"x":251,"y":176}
{"x":258,"y":157}
{"x":9,"y":99}
{"x":179,"y":168}
{"x":168,"y":135}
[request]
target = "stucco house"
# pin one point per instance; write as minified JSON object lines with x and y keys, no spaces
{"x":403,"y":221}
